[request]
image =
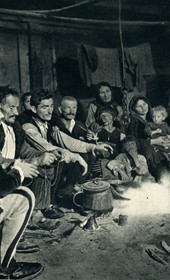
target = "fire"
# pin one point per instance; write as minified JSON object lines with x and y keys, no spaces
{"x":150,"y":198}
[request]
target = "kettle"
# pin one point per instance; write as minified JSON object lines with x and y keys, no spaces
{"x":95,"y":195}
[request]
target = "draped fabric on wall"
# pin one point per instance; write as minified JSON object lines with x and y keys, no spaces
{"x":104,"y":64}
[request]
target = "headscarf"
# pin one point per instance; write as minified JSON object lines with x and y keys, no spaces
{"x":99,"y":103}
{"x":133,"y":103}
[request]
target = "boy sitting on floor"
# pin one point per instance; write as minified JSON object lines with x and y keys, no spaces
{"x":129,"y":165}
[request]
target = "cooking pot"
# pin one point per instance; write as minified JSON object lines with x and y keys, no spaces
{"x":96,"y":195}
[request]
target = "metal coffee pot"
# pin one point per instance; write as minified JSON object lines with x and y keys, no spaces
{"x":96,"y":195}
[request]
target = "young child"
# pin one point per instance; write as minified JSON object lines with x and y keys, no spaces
{"x":158,"y":127}
{"x":129,"y":166}
{"x":106,"y":133}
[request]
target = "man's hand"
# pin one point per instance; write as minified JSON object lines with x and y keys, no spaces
{"x":46,"y":159}
{"x":68,"y":156}
{"x":29,"y":170}
{"x":91,"y":136}
{"x":103,"y":148}
{"x":83,"y":163}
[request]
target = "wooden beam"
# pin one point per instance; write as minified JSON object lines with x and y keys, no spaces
{"x":27,"y":16}
{"x":83,"y":3}
{"x":109,"y":22}
{"x":57,"y":23}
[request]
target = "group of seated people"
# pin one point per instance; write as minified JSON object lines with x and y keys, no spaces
{"x":49,"y":153}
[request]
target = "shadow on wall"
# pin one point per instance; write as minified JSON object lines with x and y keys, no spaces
{"x":70,"y":83}
{"x":69,"y":80}
{"x":158,"y":90}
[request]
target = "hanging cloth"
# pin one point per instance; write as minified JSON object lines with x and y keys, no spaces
{"x":107,"y":68}
{"x":137,"y":60}
{"x":138,"y":63}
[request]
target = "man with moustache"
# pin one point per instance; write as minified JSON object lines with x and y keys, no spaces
{"x":76,"y":129}
{"x":69,"y":124}
{"x":16,"y":201}
{"x":12,"y":136}
{"x":42,"y":108}
{"x":42,"y":134}
{"x":13,"y":143}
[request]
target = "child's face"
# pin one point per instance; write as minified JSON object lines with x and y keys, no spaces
{"x":158,"y":117}
{"x":26,"y":103}
{"x":106,"y":118}
{"x":130,"y":147}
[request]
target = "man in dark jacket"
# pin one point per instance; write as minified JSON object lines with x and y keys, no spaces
{"x":42,"y":134}
{"x":13,"y":143}
{"x":16,"y":206}
{"x":76,"y":129}
{"x":69,"y":124}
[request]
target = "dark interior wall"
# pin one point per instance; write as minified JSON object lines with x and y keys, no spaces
{"x":9,"y":59}
{"x":158,"y":86}
{"x":55,"y":63}
{"x":16,"y":51}
{"x":23,"y":62}
{"x":67,"y":66}
{"x":69,"y":80}
{"x":42,"y":61}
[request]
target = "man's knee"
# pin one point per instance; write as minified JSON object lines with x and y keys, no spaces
{"x":26,"y":197}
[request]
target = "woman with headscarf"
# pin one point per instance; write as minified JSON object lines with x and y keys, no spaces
{"x":140,"y":114}
{"x":104,"y":97}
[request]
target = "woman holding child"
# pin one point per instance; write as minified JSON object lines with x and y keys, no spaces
{"x":140,"y":115}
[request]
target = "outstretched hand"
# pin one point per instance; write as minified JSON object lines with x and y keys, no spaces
{"x":83,"y":163}
{"x":68,"y":156}
{"x":103,"y":148}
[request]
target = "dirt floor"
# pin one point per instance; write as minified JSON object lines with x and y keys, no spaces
{"x":111,"y":252}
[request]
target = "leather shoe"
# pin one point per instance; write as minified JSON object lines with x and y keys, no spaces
{"x":45,"y":224}
{"x":22,"y":270}
{"x":27,"y":247}
{"x":48,"y":225}
{"x":53,"y":212}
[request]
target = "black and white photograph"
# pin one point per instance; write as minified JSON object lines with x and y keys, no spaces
{"x":85,"y":139}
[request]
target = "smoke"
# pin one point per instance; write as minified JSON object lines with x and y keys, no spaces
{"x":150,"y":198}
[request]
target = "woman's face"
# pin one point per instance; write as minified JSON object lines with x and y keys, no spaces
{"x":141,"y":107}
{"x":105,"y":94}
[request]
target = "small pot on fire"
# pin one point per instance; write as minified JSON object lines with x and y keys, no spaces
{"x":95,"y":196}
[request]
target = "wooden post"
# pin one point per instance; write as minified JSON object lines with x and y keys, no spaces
{"x":30,"y":57}
{"x":53,"y":54}
{"x":19,"y":62}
